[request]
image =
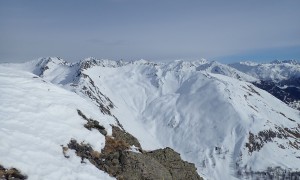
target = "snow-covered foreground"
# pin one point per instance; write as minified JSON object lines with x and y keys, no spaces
{"x":203,"y":110}
{"x":38,"y":117}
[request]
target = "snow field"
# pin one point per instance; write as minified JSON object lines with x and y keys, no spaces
{"x":36,"y":119}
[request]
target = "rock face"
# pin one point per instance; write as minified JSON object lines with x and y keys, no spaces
{"x":178,"y":168}
{"x":123,"y":164}
{"x":135,"y":166}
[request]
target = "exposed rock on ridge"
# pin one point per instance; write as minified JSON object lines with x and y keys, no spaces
{"x":123,"y":157}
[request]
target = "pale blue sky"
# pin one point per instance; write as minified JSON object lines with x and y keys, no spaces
{"x":226,"y":31}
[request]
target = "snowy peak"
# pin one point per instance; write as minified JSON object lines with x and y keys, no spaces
{"x":275,"y":71}
{"x":91,"y":62}
{"x":218,"y":68}
{"x":44,"y":64}
{"x":54,"y":60}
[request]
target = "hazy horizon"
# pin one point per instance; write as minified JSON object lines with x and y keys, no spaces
{"x":224,"y":31}
{"x":151,"y":60}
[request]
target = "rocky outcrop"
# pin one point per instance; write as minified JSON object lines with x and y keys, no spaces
{"x":124,"y":164}
{"x":123,"y":158}
{"x":44,"y":63}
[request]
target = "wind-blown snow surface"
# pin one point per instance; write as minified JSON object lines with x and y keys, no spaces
{"x":203,"y":114}
{"x":38,"y":117}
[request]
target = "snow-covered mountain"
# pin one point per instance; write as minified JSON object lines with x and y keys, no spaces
{"x":275,"y":71}
{"x":206,"y":111}
{"x":280,"y":78}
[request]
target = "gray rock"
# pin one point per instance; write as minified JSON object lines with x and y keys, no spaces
{"x":178,"y":168}
{"x":137,"y":166}
{"x":11,"y":174}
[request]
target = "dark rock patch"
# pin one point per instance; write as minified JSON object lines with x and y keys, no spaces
{"x":82,"y":150}
{"x":82,"y":115}
{"x":256,"y":142}
{"x":251,"y":89}
{"x":269,"y":173}
{"x":287,"y":117}
{"x":92,"y":124}
{"x":11,"y":174}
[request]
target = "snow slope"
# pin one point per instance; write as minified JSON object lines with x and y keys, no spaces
{"x":38,"y":117}
{"x":227,"y":127}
